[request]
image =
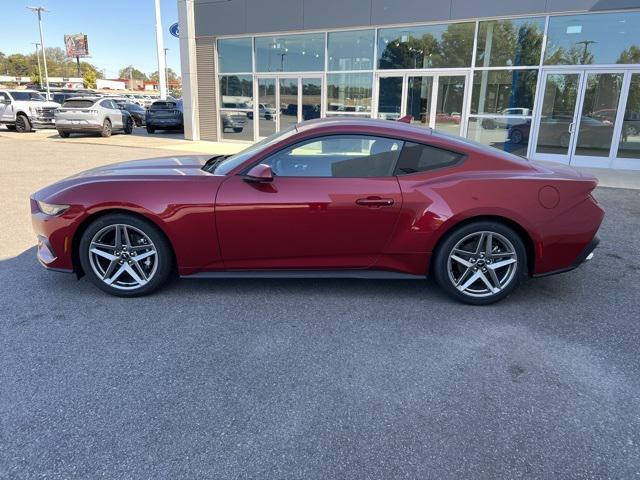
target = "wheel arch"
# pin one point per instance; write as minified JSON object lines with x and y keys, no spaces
{"x":82,"y":227}
{"x":522,"y":232}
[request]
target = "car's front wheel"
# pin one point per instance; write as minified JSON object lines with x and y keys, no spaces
{"x":480,"y":263}
{"x":150,"y":129}
{"x":125,"y":255}
{"x":63,"y":134}
{"x":23,"y":125}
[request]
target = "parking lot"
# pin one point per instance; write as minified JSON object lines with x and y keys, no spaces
{"x":310,"y":378}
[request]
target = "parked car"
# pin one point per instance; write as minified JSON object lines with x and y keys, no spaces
{"x":265,"y":110}
{"x":234,"y":121}
{"x":508,"y":114}
{"x":164,"y":115}
{"x":25,"y":110}
{"x":92,"y":114}
{"x":555,"y":131}
{"x":137,"y":112}
{"x":336,"y":198}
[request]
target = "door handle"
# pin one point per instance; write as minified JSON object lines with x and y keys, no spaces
{"x":571,"y":126}
{"x":374,"y":202}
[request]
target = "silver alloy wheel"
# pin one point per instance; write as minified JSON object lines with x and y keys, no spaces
{"x":482,"y":264}
{"x":123,"y":257}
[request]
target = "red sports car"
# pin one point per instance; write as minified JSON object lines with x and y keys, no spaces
{"x":326,"y":198}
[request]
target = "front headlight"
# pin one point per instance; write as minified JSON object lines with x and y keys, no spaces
{"x":33,"y":110}
{"x":52,"y":209}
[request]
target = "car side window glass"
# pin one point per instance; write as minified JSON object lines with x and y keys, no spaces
{"x":416,"y":157}
{"x":338,"y":156}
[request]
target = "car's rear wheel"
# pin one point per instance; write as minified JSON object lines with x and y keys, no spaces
{"x":128,"y":127}
{"x":125,"y":255}
{"x":106,"y":128}
{"x":63,"y":134}
{"x":516,"y":136}
{"x":23,"y":125}
{"x":480,"y":263}
{"x":150,"y":129}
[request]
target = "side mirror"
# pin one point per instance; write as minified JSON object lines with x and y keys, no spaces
{"x":259,"y":174}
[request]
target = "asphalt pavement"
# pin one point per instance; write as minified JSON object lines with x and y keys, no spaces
{"x":326,"y":379}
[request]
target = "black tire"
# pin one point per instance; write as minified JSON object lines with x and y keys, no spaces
{"x":237,"y":130}
{"x":512,"y":274}
{"x":23,"y":125}
{"x":63,"y":134}
{"x":163,"y":257}
{"x":150,"y":129}
{"x":516,"y":136}
{"x":106,"y":128}
{"x":128,"y":126}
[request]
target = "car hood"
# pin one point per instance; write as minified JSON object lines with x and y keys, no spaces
{"x":178,"y":167}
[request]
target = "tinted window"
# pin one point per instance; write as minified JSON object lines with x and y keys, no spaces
{"x":78,"y":104}
{"x":507,"y":43}
{"x":427,"y":46}
{"x":605,"y":38}
{"x":33,"y":96}
{"x":338,"y":156}
{"x":290,"y":53}
{"x":234,"y":55}
{"x":351,"y":50}
{"x":421,"y":158}
{"x":163,"y":106}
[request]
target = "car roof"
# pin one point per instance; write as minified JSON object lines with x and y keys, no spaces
{"x":355,"y":121}
{"x":87,"y":97}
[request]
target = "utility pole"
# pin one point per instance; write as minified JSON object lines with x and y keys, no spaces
{"x":39,"y":70}
{"x":39,"y":10}
{"x":166,"y":69}
{"x":160,"y":48}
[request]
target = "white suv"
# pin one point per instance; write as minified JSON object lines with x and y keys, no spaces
{"x":24,"y":110}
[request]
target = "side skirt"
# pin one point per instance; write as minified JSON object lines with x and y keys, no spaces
{"x":360,"y":274}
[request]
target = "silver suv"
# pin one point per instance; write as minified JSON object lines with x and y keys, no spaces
{"x":92,"y":114}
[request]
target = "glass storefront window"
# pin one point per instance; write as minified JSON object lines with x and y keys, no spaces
{"x":290,"y":53}
{"x":429,"y":46}
{"x":603,"y":38}
{"x":236,"y":91}
{"x":234,"y":55}
{"x":510,"y":43}
{"x":351,"y":50}
{"x":506,"y":92}
{"x":236,"y":125}
{"x":349,"y":92}
{"x":508,"y":134}
{"x":629,"y":146}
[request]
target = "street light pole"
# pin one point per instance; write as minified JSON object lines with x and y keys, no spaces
{"x":39,"y":70}
{"x":39,"y":10}
{"x":160,"y":48}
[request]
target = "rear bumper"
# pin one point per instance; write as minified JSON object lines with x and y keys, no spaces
{"x":585,"y":256}
{"x":82,"y":126}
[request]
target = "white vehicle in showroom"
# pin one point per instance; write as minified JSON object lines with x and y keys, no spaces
{"x":25,"y":110}
{"x":92,"y":114}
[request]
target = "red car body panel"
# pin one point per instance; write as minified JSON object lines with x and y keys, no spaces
{"x":218,"y":222}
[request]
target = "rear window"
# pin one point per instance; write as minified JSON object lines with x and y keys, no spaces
{"x":78,"y":103}
{"x":416,"y":158}
{"x":163,"y":106}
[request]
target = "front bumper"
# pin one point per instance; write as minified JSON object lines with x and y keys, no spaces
{"x":42,"y":122}
{"x":55,"y":236}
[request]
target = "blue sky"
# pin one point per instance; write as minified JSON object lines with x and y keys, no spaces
{"x":121,"y":32}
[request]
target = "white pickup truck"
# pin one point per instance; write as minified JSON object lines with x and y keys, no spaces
{"x":25,"y":110}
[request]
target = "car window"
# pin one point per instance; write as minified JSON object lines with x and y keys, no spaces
{"x":77,"y":103}
{"x":338,"y":156}
{"x":28,"y":96}
{"x":416,"y":157}
{"x":3,"y":97}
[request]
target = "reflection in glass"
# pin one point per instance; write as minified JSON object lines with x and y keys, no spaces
{"x":267,"y":110}
{"x":630,"y":139}
{"x":390,"y":98}
{"x":349,"y":92}
{"x":290,"y":53}
{"x":311,"y":98}
{"x":234,"y":55}
{"x":508,"y":92}
{"x":508,"y":134}
{"x":236,"y":91}
{"x":288,"y":102}
{"x":428,"y":46}
{"x":419,"y":92}
{"x":449,"y":103}
{"x":558,"y":111}
{"x":598,"y":116}
{"x":351,"y":50}
{"x":603,"y":38}
{"x":508,"y":43}
{"x":236,"y":125}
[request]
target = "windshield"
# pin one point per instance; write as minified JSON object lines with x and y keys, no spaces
{"x":28,"y":96}
{"x":233,"y":161}
{"x":163,"y":106}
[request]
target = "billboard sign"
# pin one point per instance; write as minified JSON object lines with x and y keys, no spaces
{"x":76,"y":45}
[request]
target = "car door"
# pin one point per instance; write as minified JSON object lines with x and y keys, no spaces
{"x":5,"y":106}
{"x":333,"y":203}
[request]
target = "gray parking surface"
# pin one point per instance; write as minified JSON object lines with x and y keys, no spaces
{"x":326,"y":379}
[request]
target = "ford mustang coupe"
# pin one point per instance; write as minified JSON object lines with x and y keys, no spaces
{"x":326,"y":198}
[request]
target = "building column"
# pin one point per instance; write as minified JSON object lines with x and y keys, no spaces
{"x":188,"y":68}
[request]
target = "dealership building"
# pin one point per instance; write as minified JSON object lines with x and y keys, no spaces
{"x":548,"y":79}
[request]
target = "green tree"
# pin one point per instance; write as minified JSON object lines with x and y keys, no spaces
{"x":89,"y":79}
{"x":132,"y":72}
{"x":173,"y":76}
